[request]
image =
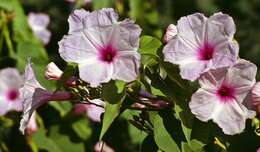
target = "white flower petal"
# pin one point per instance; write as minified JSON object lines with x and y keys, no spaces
{"x":96,"y":73}
{"x":232,"y":118}
{"x":77,"y":48}
{"x":10,"y":79}
{"x":126,"y":67}
{"x":204,"y":105}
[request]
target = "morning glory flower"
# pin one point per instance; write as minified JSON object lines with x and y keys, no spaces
{"x":52,"y":72}
{"x":171,"y":31}
{"x":32,"y":126}
{"x":38,"y":23}
{"x":223,"y":95}
{"x":93,"y":111}
{"x":256,"y":94}
{"x":34,"y":95}
{"x":103,"y":47}
{"x":10,"y":82}
{"x":202,"y":44}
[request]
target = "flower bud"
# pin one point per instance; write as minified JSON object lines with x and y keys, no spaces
{"x":32,"y":126}
{"x":102,"y":147}
{"x":52,"y":72}
{"x":170,"y":33}
{"x":256,"y":94}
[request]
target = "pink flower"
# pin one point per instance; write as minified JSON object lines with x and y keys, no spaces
{"x":10,"y":81}
{"x":202,"y":44}
{"x":223,"y":95}
{"x":93,"y":111}
{"x":52,"y":72}
{"x":34,"y":95}
{"x":32,"y":126}
{"x":256,"y":94}
{"x":170,"y":33}
{"x":104,"y":48}
{"x":101,"y":146}
{"x":38,"y":23}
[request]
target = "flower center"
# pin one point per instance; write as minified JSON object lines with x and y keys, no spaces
{"x":107,"y":54}
{"x":225,"y":93}
{"x":205,"y":52}
{"x":12,"y":94}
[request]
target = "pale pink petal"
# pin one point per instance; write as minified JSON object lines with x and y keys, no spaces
{"x":76,"y":20}
{"x":256,"y":94}
{"x":204,"y":105}
{"x":130,"y":32}
{"x":100,"y":18}
{"x":191,"y":71}
{"x":242,"y":77}
{"x":31,"y":93}
{"x":226,"y":21}
{"x":94,"y":112}
{"x":32,"y":126}
{"x":38,"y":20}
{"x":10,"y":79}
{"x":52,"y":72}
{"x":213,"y":78}
{"x":201,"y":39}
{"x":77,"y":48}
{"x":126,"y":67}
{"x":100,"y":42}
{"x":38,"y":23}
{"x":101,"y":146}
{"x":96,"y":73}
{"x":223,"y":96}
{"x":232,"y":117}
{"x":177,"y":51}
{"x":190,"y":28}
{"x":44,"y":35}
{"x":171,"y":31}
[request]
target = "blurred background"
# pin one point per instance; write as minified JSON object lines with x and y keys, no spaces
{"x":61,"y":131}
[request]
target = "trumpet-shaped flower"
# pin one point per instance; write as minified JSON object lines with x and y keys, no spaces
{"x":38,"y":23}
{"x":34,"y":95}
{"x":171,"y":31}
{"x":10,"y":82}
{"x":93,"y":111}
{"x":52,"y":72}
{"x":202,"y":44}
{"x":103,"y":47}
{"x":223,"y":95}
{"x":32,"y":126}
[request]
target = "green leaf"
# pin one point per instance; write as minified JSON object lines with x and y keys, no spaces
{"x":173,"y":73}
{"x":137,"y":136}
{"x":161,"y":136}
{"x":135,"y":9}
{"x":112,"y":111}
{"x":98,"y":4}
{"x":64,"y":142}
{"x":113,"y":92}
{"x":185,"y":147}
{"x":148,"y":50}
{"x":82,"y":129}
{"x":62,"y":107}
{"x":149,"y":145}
{"x":43,"y":142}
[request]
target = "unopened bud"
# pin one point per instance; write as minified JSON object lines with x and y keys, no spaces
{"x":32,"y":126}
{"x":170,"y":33}
{"x":52,"y":72}
{"x":71,"y":82}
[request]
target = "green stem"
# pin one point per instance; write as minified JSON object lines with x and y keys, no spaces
{"x":8,"y":41}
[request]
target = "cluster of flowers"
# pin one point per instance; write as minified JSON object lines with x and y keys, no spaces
{"x":106,"y":49}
